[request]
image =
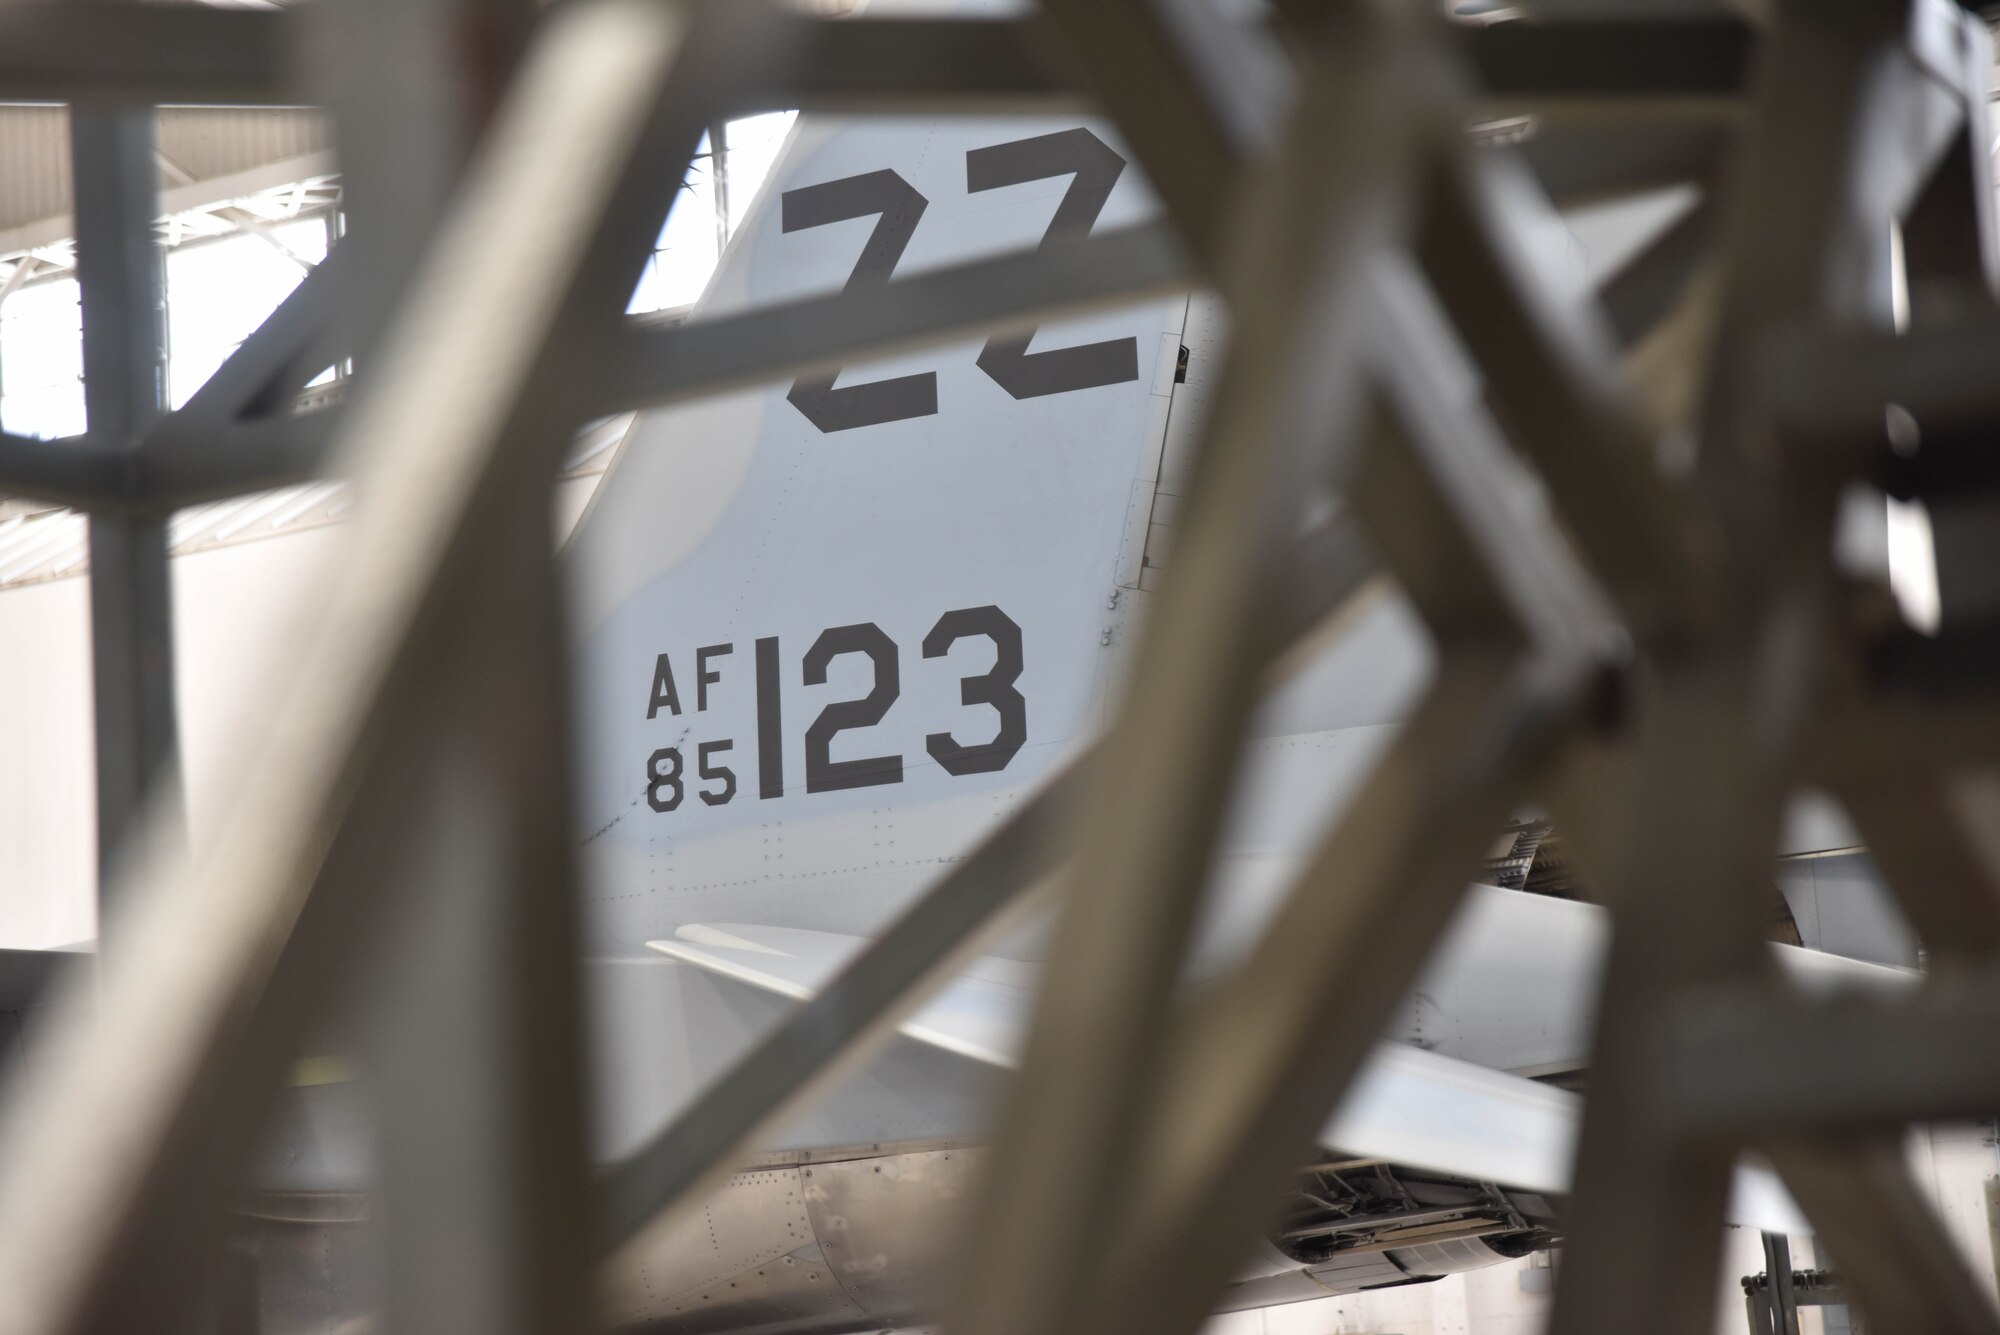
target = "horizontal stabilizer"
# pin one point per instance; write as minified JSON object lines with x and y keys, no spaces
{"x":1407,"y":1106}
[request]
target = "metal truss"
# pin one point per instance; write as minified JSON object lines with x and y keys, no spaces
{"x":1658,"y":629}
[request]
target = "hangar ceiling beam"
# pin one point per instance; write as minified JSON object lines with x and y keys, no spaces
{"x":147,"y":54}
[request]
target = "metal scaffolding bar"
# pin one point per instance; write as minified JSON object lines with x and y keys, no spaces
{"x":124,"y":364}
{"x":1669,"y":636}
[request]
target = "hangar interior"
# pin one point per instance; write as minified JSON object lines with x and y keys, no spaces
{"x":722,"y":666}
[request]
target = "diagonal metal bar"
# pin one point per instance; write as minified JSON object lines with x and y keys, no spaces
{"x":1645,"y":288}
{"x":1648,"y":1196}
{"x":1258,"y":1067}
{"x":1066,"y":1162}
{"x":1721,"y":742}
{"x":1906,"y":814}
{"x":825,"y":1037}
{"x":1951,"y":245}
{"x":478,"y":1038}
{"x":1850,"y":123}
{"x":250,"y":379}
{"x":1828,"y":387}
{"x":1551,"y":381}
{"x":468,"y":405}
{"x":1198,"y":97}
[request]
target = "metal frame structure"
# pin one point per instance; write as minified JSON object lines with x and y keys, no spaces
{"x":1660,"y":628}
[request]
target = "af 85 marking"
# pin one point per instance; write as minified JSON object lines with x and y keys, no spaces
{"x":667,"y":779}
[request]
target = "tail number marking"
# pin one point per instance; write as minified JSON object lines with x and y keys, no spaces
{"x":896,"y":206}
{"x":996,"y":688}
{"x":1093,"y":167}
{"x":824,"y":774}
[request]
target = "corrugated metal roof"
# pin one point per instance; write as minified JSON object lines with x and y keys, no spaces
{"x":208,"y":153}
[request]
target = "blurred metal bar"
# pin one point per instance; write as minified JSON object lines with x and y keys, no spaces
{"x":186,"y":464}
{"x":1651,"y":65}
{"x":1647,"y":1210}
{"x":478,"y":1038}
{"x":189,"y":55}
{"x":911,"y":65}
{"x":1862,"y":1203}
{"x":1741,"y":1059}
{"x":1905,"y":812}
{"x":1645,"y":288}
{"x":1829,"y":386}
{"x":116,"y":176}
{"x":409,"y":86}
{"x":1851,"y":122}
{"x":1552,"y":382}
{"x":659,"y":365}
{"x":539,"y":254}
{"x":1198,"y":96}
{"x":1951,"y":256}
{"x":1783,"y":1300}
{"x":1255,"y":1069}
{"x":1068,"y":1162}
{"x":825,"y":1037}
{"x":76,"y":472}
{"x":1722,"y":738}
{"x":420,"y":747}
{"x":236,"y":433}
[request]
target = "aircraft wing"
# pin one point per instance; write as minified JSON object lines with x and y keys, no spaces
{"x":1408,"y":1106}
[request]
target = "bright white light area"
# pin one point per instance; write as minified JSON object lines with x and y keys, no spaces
{"x":218,"y":292}
{"x":232,"y":266}
{"x":219,"y":288}
{"x":41,"y":360}
{"x":1913,"y":574}
{"x":703,"y":218}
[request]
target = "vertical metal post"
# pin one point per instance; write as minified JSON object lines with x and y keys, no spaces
{"x":1784,"y":1302}
{"x":477,"y":1027}
{"x":718,"y":166}
{"x":118,"y":273}
{"x":411,"y":88}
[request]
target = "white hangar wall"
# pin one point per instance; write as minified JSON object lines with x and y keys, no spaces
{"x":233,"y":606}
